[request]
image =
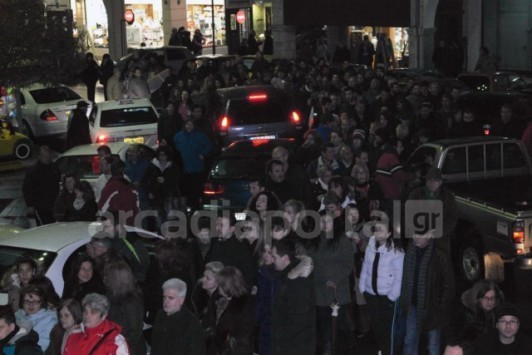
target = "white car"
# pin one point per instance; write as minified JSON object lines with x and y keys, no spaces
{"x":45,"y":109}
{"x":55,"y":247}
{"x":83,"y":160}
{"x":128,"y":120}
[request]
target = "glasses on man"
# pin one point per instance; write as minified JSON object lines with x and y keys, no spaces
{"x":512,"y":322}
{"x":490,"y":299}
{"x":32,"y":303}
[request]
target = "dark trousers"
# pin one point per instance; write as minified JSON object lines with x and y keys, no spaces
{"x":344,"y":337}
{"x":91,"y":90}
{"x":381,"y":311}
{"x":192,"y":189}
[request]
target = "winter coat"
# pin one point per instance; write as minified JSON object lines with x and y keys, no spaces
{"x":77,"y":291}
{"x":63,"y":204}
{"x":332,"y":263}
{"x":234,"y":327}
{"x":43,"y":321}
{"x":139,"y":262}
{"x":138,"y":89}
{"x":266,"y":285}
{"x":389,"y":272}
{"x":115,"y":88}
{"x":21,"y":341}
{"x":170,"y":186}
{"x":41,"y":187}
{"x":129,"y":314}
{"x":231,"y":252}
{"x":168,"y":126}
{"x":191,"y":145}
{"x":119,"y":195}
{"x":106,"y":70}
{"x":390,"y":174}
{"x":489,"y":344}
{"x":105,"y":338}
{"x":294,"y":311}
{"x":90,"y":73}
{"x":267,"y":47}
{"x":178,"y":333}
{"x":78,"y":132}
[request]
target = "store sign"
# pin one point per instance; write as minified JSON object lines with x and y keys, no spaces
{"x":241,"y":16}
{"x":129,"y":16}
{"x":237,"y":4}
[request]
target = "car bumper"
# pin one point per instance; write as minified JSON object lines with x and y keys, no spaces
{"x":50,"y":128}
{"x":524,"y":262}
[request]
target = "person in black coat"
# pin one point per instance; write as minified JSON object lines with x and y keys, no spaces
{"x":253,"y":45}
{"x":14,"y":339}
{"x":83,"y":279}
{"x":90,"y":75}
{"x":106,"y":71}
{"x":176,"y":330}
{"x":228,"y":250}
{"x":170,"y":122}
{"x":234,"y":315}
{"x":294,"y":311}
{"x":78,"y":132}
{"x":41,"y":187}
{"x":267,"y":47}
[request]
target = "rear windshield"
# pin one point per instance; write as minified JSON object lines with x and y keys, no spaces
{"x":269,"y":110}
{"x":129,"y":116}
{"x":238,"y":168}
{"x":55,"y":94}
{"x":9,"y":256}
{"x":84,"y":166}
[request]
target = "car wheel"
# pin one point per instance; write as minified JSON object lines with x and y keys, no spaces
{"x":472,"y":260}
{"x":26,"y":129}
{"x":23,"y":149}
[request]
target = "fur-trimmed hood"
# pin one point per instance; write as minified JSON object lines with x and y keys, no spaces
{"x":303,"y":268}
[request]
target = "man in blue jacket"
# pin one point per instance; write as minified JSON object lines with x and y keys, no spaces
{"x":193,"y":146}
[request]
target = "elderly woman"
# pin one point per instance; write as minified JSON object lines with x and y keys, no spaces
{"x":70,"y":318}
{"x":205,"y":297}
{"x":100,"y":335}
{"x":34,"y":309}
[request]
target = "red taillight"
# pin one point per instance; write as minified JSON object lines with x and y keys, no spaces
{"x":95,"y":164}
{"x":102,"y":138}
{"x":257,"y":97}
{"x":295,"y":117}
{"x":213,"y":189}
{"x":486,"y":128}
{"x":48,"y":115}
{"x":224,"y":123}
{"x":518,"y":236}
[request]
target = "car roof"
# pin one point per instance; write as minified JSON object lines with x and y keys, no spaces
{"x":242,"y":91}
{"x":51,"y":237}
{"x":110,"y":105}
{"x":470,"y":140}
{"x":38,"y":86}
{"x":91,"y":149}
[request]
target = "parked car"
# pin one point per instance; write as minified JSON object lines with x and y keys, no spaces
{"x":128,"y":120}
{"x":211,"y":63}
{"x":170,"y":56}
{"x":45,"y":109}
{"x":253,"y":112}
{"x":83,"y":160}
{"x":13,"y":143}
{"x":228,"y":181}
{"x":55,"y":247}
{"x":490,"y":180}
{"x":499,"y":81}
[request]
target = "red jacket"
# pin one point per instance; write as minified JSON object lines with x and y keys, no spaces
{"x":119,"y":195}
{"x":104,"y":339}
{"x":390,"y":174}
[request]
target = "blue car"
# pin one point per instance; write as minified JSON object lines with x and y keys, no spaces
{"x":227,"y":185}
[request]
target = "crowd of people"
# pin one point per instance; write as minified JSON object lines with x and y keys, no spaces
{"x":262,"y":284}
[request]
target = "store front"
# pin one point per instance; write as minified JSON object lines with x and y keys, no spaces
{"x":396,"y":38}
{"x":91,"y":16}
{"x":200,"y":16}
{"x":261,"y":14}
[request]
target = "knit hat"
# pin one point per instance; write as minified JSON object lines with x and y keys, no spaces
{"x":359,"y":133}
{"x":507,"y":309}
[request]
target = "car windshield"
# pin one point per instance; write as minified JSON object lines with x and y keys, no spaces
{"x":84,"y":166}
{"x":268,"y":110}
{"x":238,"y":168}
{"x":9,"y":256}
{"x":128,"y":116}
{"x":54,"y":94}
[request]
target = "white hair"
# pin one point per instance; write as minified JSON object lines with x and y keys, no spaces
{"x":176,"y":284}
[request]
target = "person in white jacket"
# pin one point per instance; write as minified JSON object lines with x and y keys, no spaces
{"x":380,"y":282}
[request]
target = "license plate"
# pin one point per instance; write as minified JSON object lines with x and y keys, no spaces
{"x":263,"y":137}
{"x":135,"y":140}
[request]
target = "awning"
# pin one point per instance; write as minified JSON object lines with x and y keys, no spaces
{"x":385,"y":13}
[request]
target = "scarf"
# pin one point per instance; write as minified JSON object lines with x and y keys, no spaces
{"x":408,"y":288}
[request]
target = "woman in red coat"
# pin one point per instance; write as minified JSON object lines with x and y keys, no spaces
{"x":100,"y":335}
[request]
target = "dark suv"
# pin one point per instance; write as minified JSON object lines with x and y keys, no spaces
{"x":256,"y":112}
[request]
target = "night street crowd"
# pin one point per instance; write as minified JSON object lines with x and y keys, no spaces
{"x":258,"y":285}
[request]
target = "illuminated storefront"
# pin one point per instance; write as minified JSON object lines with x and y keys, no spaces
{"x":199,"y":16}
